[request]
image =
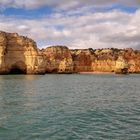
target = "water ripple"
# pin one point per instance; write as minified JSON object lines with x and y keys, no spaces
{"x":70,"y":107}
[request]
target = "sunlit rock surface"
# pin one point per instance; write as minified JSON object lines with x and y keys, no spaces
{"x":106,"y":60}
{"x":83,"y":60}
{"x":58,"y":59}
{"x":121,"y":65}
{"x":20,"y":55}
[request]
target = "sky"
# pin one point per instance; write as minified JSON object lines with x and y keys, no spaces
{"x":74,"y":23}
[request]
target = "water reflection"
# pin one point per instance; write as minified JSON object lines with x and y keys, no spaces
{"x":17,"y":97}
{"x":21,"y":77}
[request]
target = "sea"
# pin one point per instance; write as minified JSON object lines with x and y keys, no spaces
{"x":70,"y":107}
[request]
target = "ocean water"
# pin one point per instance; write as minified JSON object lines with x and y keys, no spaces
{"x":70,"y":107}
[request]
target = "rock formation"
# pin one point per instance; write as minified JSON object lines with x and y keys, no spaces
{"x":133,"y":59}
{"x":19,"y":54}
{"x":106,"y":60}
{"x":82,"y":60}
{"x":58,"y":59}
{"x":121,"y":66}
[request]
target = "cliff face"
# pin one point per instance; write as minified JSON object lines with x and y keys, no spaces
{"x":19,"y":54}
{"x":106,"y":60}
{"x":90,"y":60}
{"x":121,"y":65}
{"x":133,"y":59}
{"x":82,"y":60}
{"x":58,"y":59}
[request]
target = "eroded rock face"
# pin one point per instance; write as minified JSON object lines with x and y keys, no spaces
{"x":90,"y":60}
{"x":58,"y":59}
{"x":133,"y":59}
{"x":82,"y":60}
{"x":20,"y":54}
{"x":106,"y":60}
{"x":121,"y":65}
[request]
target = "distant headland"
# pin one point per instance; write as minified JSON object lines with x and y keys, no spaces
{"x":20,"y":55}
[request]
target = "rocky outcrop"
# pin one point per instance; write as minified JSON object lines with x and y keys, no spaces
{"x":121,"y":65}
{"x":58,"y":59}
{"x":90,"y":60}
{"x":19,"y":54}
{"x":82,"y":60}
{"x":133,"y":59}
{"x":106,"y":60}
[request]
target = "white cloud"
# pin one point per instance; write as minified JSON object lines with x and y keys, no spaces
{"x":64,"y":4}
{"x":90,"y":30}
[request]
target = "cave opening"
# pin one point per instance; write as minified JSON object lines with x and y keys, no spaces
{"x":16,"y":70}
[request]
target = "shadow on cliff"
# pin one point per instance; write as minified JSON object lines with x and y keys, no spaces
{"x":18,"y":68}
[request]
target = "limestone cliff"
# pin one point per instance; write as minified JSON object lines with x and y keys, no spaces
{"x":121,"y":65}
{"x":82,"y":60}
{"x":106,"y":60}
{"x":89,"y":60}
{"x":19,"y":54}
{"x":133,"y":59}
{"x":58,"y":59}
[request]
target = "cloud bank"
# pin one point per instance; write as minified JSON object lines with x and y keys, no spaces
{"x":64,"y":4}
{"x":79,"y":28}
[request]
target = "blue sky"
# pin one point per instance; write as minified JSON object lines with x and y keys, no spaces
{"x":28,"y":13}
{"x":75,"y":23}
{"x":47,"y":10}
